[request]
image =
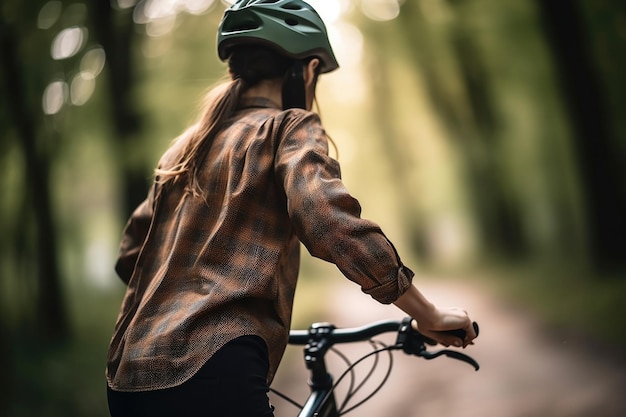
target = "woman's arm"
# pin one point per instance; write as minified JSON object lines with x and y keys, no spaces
{"x":433,"y":322}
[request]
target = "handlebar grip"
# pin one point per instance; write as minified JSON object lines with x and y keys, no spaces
{"x":460,"y":333}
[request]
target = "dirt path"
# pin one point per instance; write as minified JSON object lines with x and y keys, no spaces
{"x":523,"y":372}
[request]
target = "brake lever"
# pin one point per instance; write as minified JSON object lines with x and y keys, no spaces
{"x":413,"y":343}
{"x":451,"y":354}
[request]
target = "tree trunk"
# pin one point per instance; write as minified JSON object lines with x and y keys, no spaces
{"x":52,"y":319}
{"x":595,"y":142}
{"x":399,"y":160}
{"x":498,"y":220}
{"x":498,"y":212}
{"x":115,"y":31}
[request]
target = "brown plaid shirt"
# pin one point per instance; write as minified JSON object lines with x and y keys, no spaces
{"x":201,"y":272}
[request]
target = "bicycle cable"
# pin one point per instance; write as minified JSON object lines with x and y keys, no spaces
{"x":350,"y":369}
{"x":352,"y":390}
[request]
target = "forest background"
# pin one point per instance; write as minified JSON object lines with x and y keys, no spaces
{"x":485,"y":137}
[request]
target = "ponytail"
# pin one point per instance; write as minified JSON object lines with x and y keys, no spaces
{"x":219,"y":105}
{"x":248,"y":65}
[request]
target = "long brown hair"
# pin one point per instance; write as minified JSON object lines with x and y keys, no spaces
{"x":247,"y":66}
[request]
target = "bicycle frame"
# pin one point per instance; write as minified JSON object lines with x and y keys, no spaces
{"x":321,"y":403}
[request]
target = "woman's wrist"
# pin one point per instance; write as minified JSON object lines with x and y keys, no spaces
{"x":413,"y":303}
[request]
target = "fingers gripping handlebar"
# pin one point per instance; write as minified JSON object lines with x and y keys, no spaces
{"x":460,"y":333}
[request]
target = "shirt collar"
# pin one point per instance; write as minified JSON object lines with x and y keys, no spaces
{"x":250,"y":102}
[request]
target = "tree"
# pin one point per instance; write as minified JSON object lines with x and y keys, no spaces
{"x":19,"y":80}
{"x":116,"y":32}
{"x":598,"y":153}
{"x":456,"y":81}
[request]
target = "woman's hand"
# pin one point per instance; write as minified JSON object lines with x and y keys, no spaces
{"x":444,"y":320}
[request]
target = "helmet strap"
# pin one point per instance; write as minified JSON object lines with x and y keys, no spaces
{"x":293,"y":92}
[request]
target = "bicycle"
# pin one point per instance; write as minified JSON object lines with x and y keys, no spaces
{"x":320,"y":338}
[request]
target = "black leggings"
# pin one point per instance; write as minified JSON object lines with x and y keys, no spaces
{"x":231,"y":384}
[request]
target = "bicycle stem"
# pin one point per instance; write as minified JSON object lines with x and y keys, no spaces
{"x":314,"y":353}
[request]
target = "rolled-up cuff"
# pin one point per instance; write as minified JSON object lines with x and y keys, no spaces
{"x":391,"y":290}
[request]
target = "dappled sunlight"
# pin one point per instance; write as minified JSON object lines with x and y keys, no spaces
{"x":83,"y":84}
{"x":68,"y":42}
{"x":49,"y":14}
{"x":54,"y":97}
{"x":79,"y":85}
{"x":381,"y":10}
{"x":82,"y":87}
{"x":93,"y":61}
{"x":155,"y":11}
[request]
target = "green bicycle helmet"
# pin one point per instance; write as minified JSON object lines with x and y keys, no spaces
{"x":293,"y":27}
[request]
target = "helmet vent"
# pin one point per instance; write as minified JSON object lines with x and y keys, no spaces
{"x":291,"y":22}
{"x":244,"y":23}
{"x":249,"y":25}
{"x":291,"y":6}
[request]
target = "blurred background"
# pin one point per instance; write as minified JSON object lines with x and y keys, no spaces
{"x":485,"y":137}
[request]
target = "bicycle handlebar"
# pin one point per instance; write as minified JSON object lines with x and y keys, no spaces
{"x":345,"y":335}
{"x":321,"y":336}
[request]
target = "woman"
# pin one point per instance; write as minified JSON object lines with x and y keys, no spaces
{"x":211,"y":256}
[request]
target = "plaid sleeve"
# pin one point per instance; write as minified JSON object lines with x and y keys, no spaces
{"x":327,"y":218}
{"x":133,"y":238}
